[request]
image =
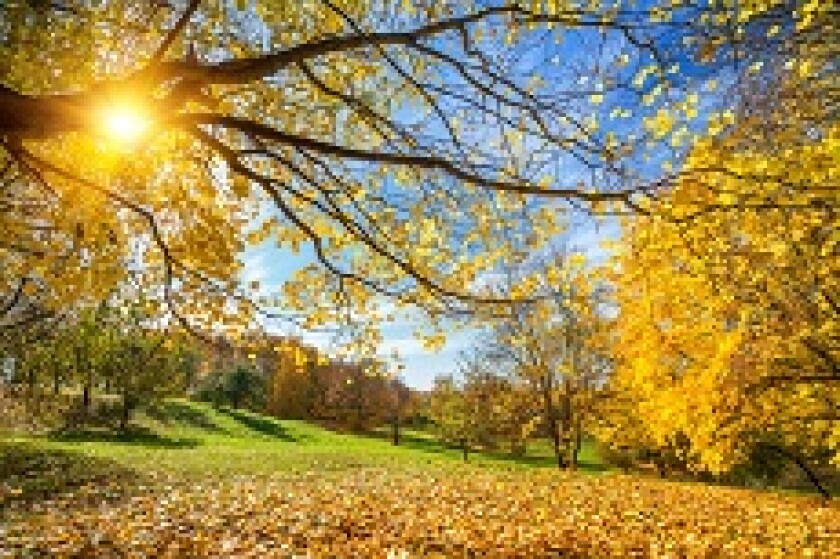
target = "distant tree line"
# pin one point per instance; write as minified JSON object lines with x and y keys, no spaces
{"x":99,"y":364}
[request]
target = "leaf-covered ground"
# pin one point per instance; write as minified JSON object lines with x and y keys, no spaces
{"x":249,"y":495}
{"x":456,"y":513}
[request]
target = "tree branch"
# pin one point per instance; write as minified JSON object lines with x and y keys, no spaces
{"x":174,"y":32}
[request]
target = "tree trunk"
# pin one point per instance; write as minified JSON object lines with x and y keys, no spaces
{"x":86,"y":386}
{"x":395,"y":428}
{"x":568,"y":425}
{"x":552,"y":424}
{"x":465,"y":448}
{"x":812,"y":477}
{"x":660,"y":467}
{"x":127,"y":408}
{"x":517,"y":447}
{"x":558,"y":450}
{"x":56,"y":380}
{"x":30,"y":399}
{"x":86,"y":398}
{"x":557,"y":443}
{"x":577,"y":445}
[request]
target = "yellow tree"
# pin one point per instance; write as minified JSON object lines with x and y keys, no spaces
{"x":728,"y":292}
{"x":124,"y":124}
{"x":379,"y":134}
{"x":553,"y":345}
{"x":290,"y":390}
{"x":449,"y":411}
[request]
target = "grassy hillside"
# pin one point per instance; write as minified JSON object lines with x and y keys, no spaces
{"x":184,"y":437}
{"x":194,"y":481}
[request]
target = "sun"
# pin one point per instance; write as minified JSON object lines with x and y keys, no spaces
{"x":126,"y":123}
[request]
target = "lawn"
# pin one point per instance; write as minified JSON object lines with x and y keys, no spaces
{"x":193,"y":481}
{"x":183,"y":438}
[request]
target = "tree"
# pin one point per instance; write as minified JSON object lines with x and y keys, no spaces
{"x":238,"y":386}
{"x":113,"y":348}
{"x":500,"y":411}
{"x":243,"y":384}
{"x":481,"y":391}
{"x":146,"y":363}
{"x":481,"y":407}
{"x":553,"y":346}
{"x":379,"y":135}
{"x":449,"y":412}
{"x":400,"y":407}
{"x":291,"y":389}
{"x":733,"y":300}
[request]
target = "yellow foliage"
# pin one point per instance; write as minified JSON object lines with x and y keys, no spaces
{"x":716,"y":338}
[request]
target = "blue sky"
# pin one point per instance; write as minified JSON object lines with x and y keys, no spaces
{"x":272,"y":267}
{"x":554,"y":62}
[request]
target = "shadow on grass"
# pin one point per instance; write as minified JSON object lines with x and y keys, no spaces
{"x":412,"y":441}
{"x":262,"y":425}
{"x":542,"y":461}
{"x":430,"y":445}
{"x":139,"y":436}
{"x":173,"y":411}
{"x":30,"y":473}
{"x":423,"y":444}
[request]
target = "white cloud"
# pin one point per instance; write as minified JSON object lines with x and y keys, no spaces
{"x":254,"y":267}
{"x":406,"y":347}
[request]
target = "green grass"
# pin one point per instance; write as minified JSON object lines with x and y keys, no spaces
{"x":181,"y":440}
{"x":184,"y":438}
{"x":539,"y":452}
{"x":189,"y":477}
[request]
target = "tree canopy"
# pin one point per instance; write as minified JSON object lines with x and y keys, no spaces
{"x":408,"y":145}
